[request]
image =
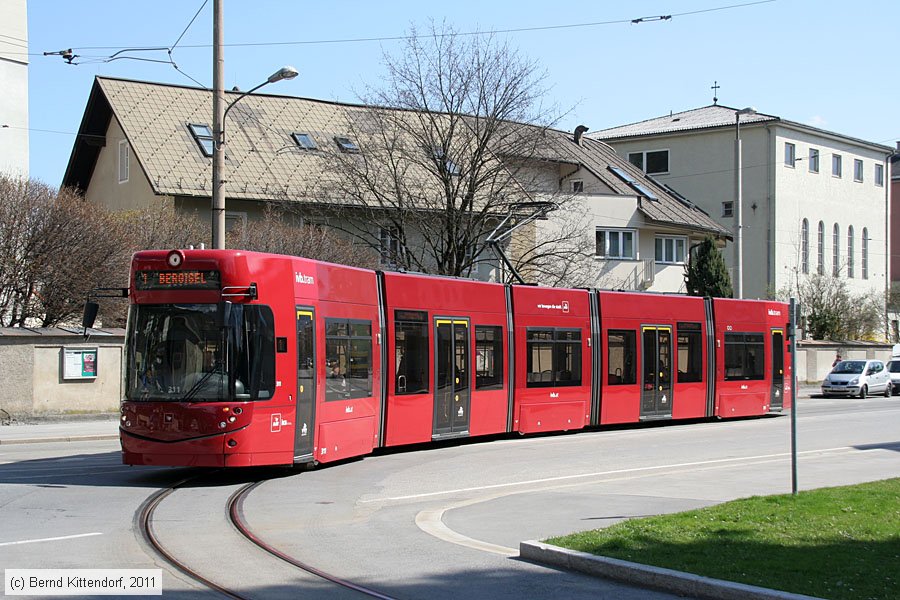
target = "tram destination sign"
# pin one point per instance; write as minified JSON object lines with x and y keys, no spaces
{"x":177,"y":280}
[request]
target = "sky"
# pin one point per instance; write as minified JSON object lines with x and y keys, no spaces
{"x":826,"y":63}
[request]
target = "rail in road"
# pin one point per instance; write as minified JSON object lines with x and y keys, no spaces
{"x":144,"y":518}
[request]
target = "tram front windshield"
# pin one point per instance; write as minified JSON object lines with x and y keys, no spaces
{"x":184,"y":352}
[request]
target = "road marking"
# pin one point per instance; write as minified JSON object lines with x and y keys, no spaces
{"x":53,"y":539}
{"x":603,"y":474}
{"x":431,"y":522}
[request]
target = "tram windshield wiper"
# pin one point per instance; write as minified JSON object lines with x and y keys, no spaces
{"x":217,"y":369}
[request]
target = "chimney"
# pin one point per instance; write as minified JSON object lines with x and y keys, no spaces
{"x":579,"y":131}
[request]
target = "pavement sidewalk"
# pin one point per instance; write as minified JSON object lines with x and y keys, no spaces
{"x":100,"y":427}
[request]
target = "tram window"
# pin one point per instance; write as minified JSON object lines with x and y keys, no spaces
{"x":621,"y":357}
{"x":411,"y":352}
{"x":744,"y":356}
{"x":690,"y":353}
{"x":554,"y":357}
{"x":488,"y":358}
{"x":348,"y":359}
{"x":255,"y":354}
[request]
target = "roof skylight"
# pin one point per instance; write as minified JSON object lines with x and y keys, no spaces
{"x":346,"y":144}
{"x":304,"y":140}
{"x":203,"y":135}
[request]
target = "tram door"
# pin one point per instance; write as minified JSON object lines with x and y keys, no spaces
{"x":656,"y":383}
{"x":304,"y":421}
{"x":777,"y":400}
{"x":451,"y":384}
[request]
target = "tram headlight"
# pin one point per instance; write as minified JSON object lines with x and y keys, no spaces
{"x":232,"y":419}
{"x":223,"y":425}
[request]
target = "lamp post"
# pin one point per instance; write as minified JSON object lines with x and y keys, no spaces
{"x":738,"y":213}
{"x":218,"y":183}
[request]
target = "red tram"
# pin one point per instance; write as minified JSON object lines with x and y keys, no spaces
{"x":241,"y":359}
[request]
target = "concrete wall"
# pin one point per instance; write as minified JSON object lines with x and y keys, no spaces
{"x":32,"y":371}
{"x":14,"y":83}
{"x":814,"y":359}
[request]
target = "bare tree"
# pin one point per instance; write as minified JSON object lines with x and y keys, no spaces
{"x":276,"y":233}
{"x":161,"y":227}
{"x":448,"y":144}
{"x":833,"y":312}
{"x":54,"y":249}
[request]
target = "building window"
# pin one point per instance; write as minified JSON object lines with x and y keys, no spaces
{"x":203,"y":135}
{"x":621,"y":356}
{"x":124,"y":160}
{"x":444,"y":164}
{"x":857,"y":170}
{"x":670,"y":249}
{"x":348,"y":359}
{"x":389,"y":246}
{"x":488,"y":358}
{"x":790,"y":154}
{"x":821,"y":254}
{"x":728,"y":208}
{"x":879,"y":175}
{"x":577,"y":186}
{"x":616,"y":243}
{"x":836,"y":251}
{"x":690,"y":352}
{"x":553,"y":357}
{"x":850,"y":252}
{"x":411,"y":351}
{"x":813,"y":160}
{"x":836,"y":165}
{"x":304,"y":140}
{"x":744,"y":356}
{"x":653,"y":162}
{"x":804,"y":246}
{"x":346,"y":145}
{"x":865,"y":253}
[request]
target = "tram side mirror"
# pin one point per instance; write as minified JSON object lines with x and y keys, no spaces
{"x":223,"y":314}
{"x":90,"y":315}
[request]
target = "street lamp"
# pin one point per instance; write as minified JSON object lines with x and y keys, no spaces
{"x":738,"y":214}
{"x":218,"y":183}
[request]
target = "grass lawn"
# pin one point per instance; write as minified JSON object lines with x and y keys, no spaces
{"x":835,"y":543}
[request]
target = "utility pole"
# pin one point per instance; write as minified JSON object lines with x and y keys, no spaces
{"x":218,"y":167}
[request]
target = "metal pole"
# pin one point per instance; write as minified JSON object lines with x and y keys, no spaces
{"x":792,"y":336}
{"x":218,"y":167}
{"x":739,"y":225}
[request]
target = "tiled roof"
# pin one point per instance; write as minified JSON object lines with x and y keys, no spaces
{"x":264,"y":163}
{"x":597,"y":157}
{"x":699,"y":118}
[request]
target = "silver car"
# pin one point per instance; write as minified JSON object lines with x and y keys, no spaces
{"x":893,"y":367}
{"x":857,"y":378}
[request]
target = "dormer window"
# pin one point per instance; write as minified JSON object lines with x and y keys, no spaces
{"x":304,"y":141}
{"x":347,"y":145}
{"x":203,"y":135}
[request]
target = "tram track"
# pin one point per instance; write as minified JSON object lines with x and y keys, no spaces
{"x":235,"y":515}
{"x":145,"y":526}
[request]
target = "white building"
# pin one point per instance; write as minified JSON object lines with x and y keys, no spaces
{"x":813,"y":200}
{"x":14,"y":83}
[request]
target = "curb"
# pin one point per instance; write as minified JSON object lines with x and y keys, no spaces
{"x":685,"y":584}
{"x":70,"y":438}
